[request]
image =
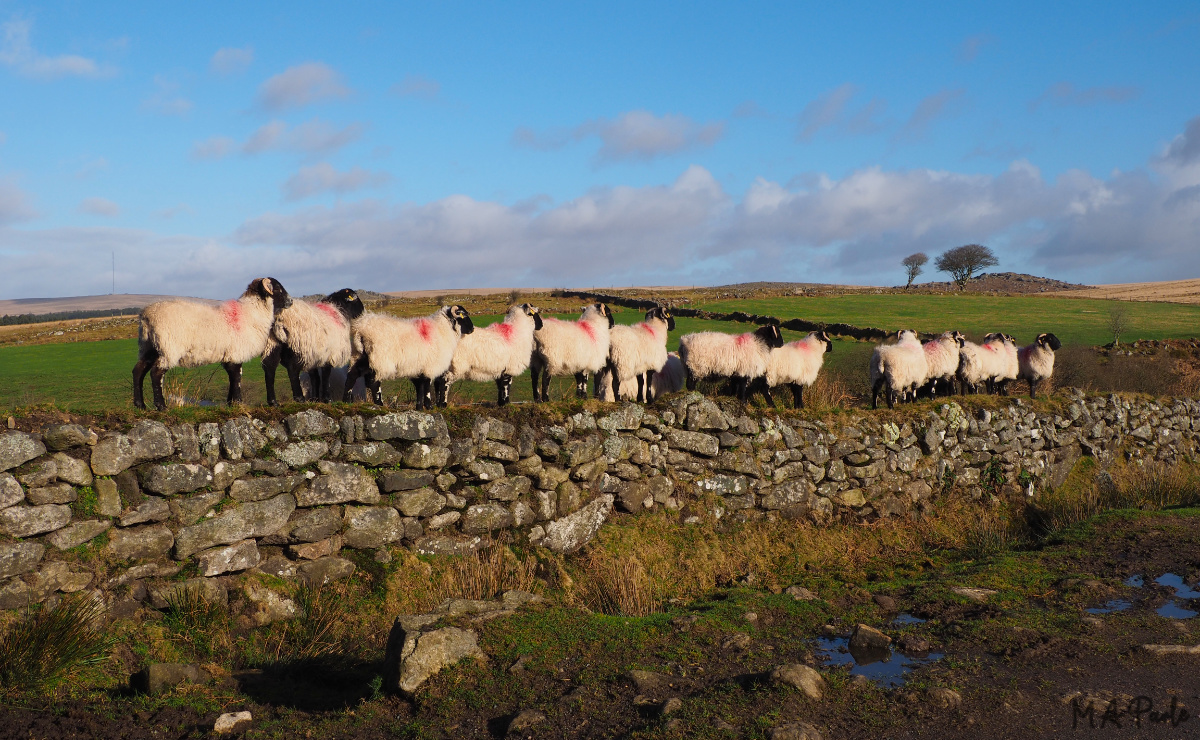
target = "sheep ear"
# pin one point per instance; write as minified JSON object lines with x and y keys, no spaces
{"x":265,"y":285}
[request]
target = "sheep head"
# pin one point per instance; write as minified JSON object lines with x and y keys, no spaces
{"x":269,"y":289}
{"x":771,"y":335}
{"x":533,"y":312}
{"x":663,"y":314}
{"x":604,"y":311}
{"x":459,"y":318}
{"x":346,"y":301}
{"x":1049,"y":340}
{"x":823,"y":336}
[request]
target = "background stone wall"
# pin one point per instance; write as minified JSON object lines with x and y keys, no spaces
{"x":141,"y":512}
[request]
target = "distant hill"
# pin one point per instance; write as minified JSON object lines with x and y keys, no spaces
{"x":116,"y":301}
{"x":1005,"y":282}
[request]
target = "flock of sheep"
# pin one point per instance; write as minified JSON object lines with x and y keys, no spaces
{"x":625,"y":361}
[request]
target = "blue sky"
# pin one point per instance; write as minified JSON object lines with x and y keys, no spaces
{"x":453,"y":144}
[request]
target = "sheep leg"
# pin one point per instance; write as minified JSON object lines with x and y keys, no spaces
{"x":875,"y":393}
{"x":763,"y":386}
{"x":545,"y":385}
{"x":891,"y":396}
{"x":269,"y":364}
{"x":357,"y":370}
{"x":374,"y":387}
{"x":503,"y":388}
{"x":741,"y":387}
{"x":292,"y":363}
{"x":234,"y":371}
{"x":797,"y":395}
{"x":581,"y":385}
{"x":156,"y":382}
{"x":641,"y":394}
{"x":649,"y":380}
{"x":597,"y":385}
{"x":535,"y":370}
{"x":441,"y":391}
{"x":147,"y":356}
{"x":324,"y":375}
{"x":691,"y":381}
{"x":1032,"y":388}
{"x":611,"y":371}
{"x":421,"y":387}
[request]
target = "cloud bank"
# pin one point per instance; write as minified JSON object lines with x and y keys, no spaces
{"x":637,"y":135}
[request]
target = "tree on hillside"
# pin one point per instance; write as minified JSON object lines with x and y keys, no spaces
{"x":912,"y":266}
{"x":1118,"y":322}
{"x":963,"y":262}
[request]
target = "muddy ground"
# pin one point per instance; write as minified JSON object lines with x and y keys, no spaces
{"x":1028,"y":661}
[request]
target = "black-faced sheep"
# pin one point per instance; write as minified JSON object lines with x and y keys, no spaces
{"x":312,"y":338}
{"x":941,"y":354}
{"x":740,"y":357}
{"x":497,"y":352}
{"x":385,"y":347}
{"x":182,"y":333}
{"x":1037,"y":360}
{"x":571,"y":348}
{"x":639,"y":351}
{"x":897,"y":368}
{"x":796,"y":365}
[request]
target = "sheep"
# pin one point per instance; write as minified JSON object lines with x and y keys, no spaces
{"x":312,"y":338}
{"x":182,"y":333}
{"x":796,"y":365}
{"x":498,"y":352}
{"x":1036,"y":362}
{"x":669,"y":379}
{"x":1007,"y":366}
{"x":941,"y":353}
{"x":385,"y":347}
{"x":571,"y":347}
{"x":742,"y":358}
{"x":639,"y":351}
{"x":980,"y":364}
{"x":900,"y":367}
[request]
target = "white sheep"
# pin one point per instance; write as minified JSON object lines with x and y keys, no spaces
{"x":899,"y":367}
{"x":312,"y":338}
{"x":1007,"y":366}
{"x":740,"y":357}
{"x":497,"y":352}
{"x":182,"y":333}
{"x":941,"y":354}
{"x":978,"y":364}
{"x":385,"y":347}
{"x":571,"y":348}
{"x":669,"y":379}
{"x":1037,"y":360}
{"x":796,"y":365}
{"x":639,"y":351}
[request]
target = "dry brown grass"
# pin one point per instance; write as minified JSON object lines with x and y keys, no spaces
{"x":418,"y":586}
{"x":1172,"y":291}
{"x":618,"y":585}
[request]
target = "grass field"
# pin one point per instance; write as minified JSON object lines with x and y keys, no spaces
{"x":1074,"y":320}
{"x":93,"y":376}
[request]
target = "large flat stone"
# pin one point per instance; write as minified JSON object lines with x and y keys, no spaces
{"x":139,"y":543}
{"x":412,"y":657}
{"x":423,"y":502}
{"x":341,"y":484}
{"x":313,"y":525}
{"x":19,"y":557}
{"x":299,"y":454}
{"x":258,"y":489}
{"x":409,"y":425}
{"x":169,"y":480}
{"x":66,"y":436}
{"x":11,"y":492}
{"x":310,"y":423}
{"x":238,"y":556}
{"x":698,"y":442}
{"x":254,"y":519}
{"x":72,"y":470}
{"x":76,"y":534}
{"x":572,"y":532}
{"x":29,"y":521}
{"x":17,"y":448}
{"x":369,"y":527}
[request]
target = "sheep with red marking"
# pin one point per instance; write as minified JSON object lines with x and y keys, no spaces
{"x":898,"y":368}
{"x":571,"y":348}
{"x":498,"y":352}
{"x":941,"y":354}
{"x":385,"y":347}
{"x":796,"y":365}
{"x":740,"y":357}
{"x":313,"y":338}
{"x":183,"y":333}
{"x":1036,"y":361}
{"x":639,"y":351}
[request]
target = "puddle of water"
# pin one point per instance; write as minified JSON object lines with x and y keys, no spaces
{"x":1182,"y":590}
{"x":1136,"y":581}
{"x":887,"y":669}
{"x":1172,"y":610}
{"x":1115,"y":605}
{"x":906,"y":619}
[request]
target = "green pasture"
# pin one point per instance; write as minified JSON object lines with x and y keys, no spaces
{"x":1073,"y":320}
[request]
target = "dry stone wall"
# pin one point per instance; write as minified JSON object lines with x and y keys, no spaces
{"x":139,"y":514}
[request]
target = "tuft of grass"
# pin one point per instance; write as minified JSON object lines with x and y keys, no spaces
{"x":317,"y":634}
{"x":48,"y":645}
{"x":619,"y":585}
{"x":196,"y":623}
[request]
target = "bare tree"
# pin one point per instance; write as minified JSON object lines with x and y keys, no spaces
{"x":912,"y":266}
{"x":1118,"y":322}
{"x":963,"y":262}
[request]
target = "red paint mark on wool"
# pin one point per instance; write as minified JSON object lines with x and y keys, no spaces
{"x":587,"y":329}
{"x":504,"y":330}
{"x":931,"y":347}
{"x":648,"y":328}
{"x":991,"y":347}
{"x":232,"y":312}
{"x":331,"y":312}
{"x":741,"y":339}
{"x":1023,"y":353}
{"x":423,"y":329}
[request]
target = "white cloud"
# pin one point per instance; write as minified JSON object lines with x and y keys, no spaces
{"x":824,"y":111}
{"x":1066,"y":94}
{"x":311,"y":137}
{"x":637,"y":135}
{"x":166,"y":99}
{"x":17,"y":52}
{"x":14,"y":204}
{"x":418,"y":86}
{"x":324,"y":178}
{"x":99,"y":207}
{"x":301,"y":85}
{"x":231,"y":60}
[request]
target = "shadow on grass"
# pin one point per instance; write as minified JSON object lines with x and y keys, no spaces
{"x":312,"y":684}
